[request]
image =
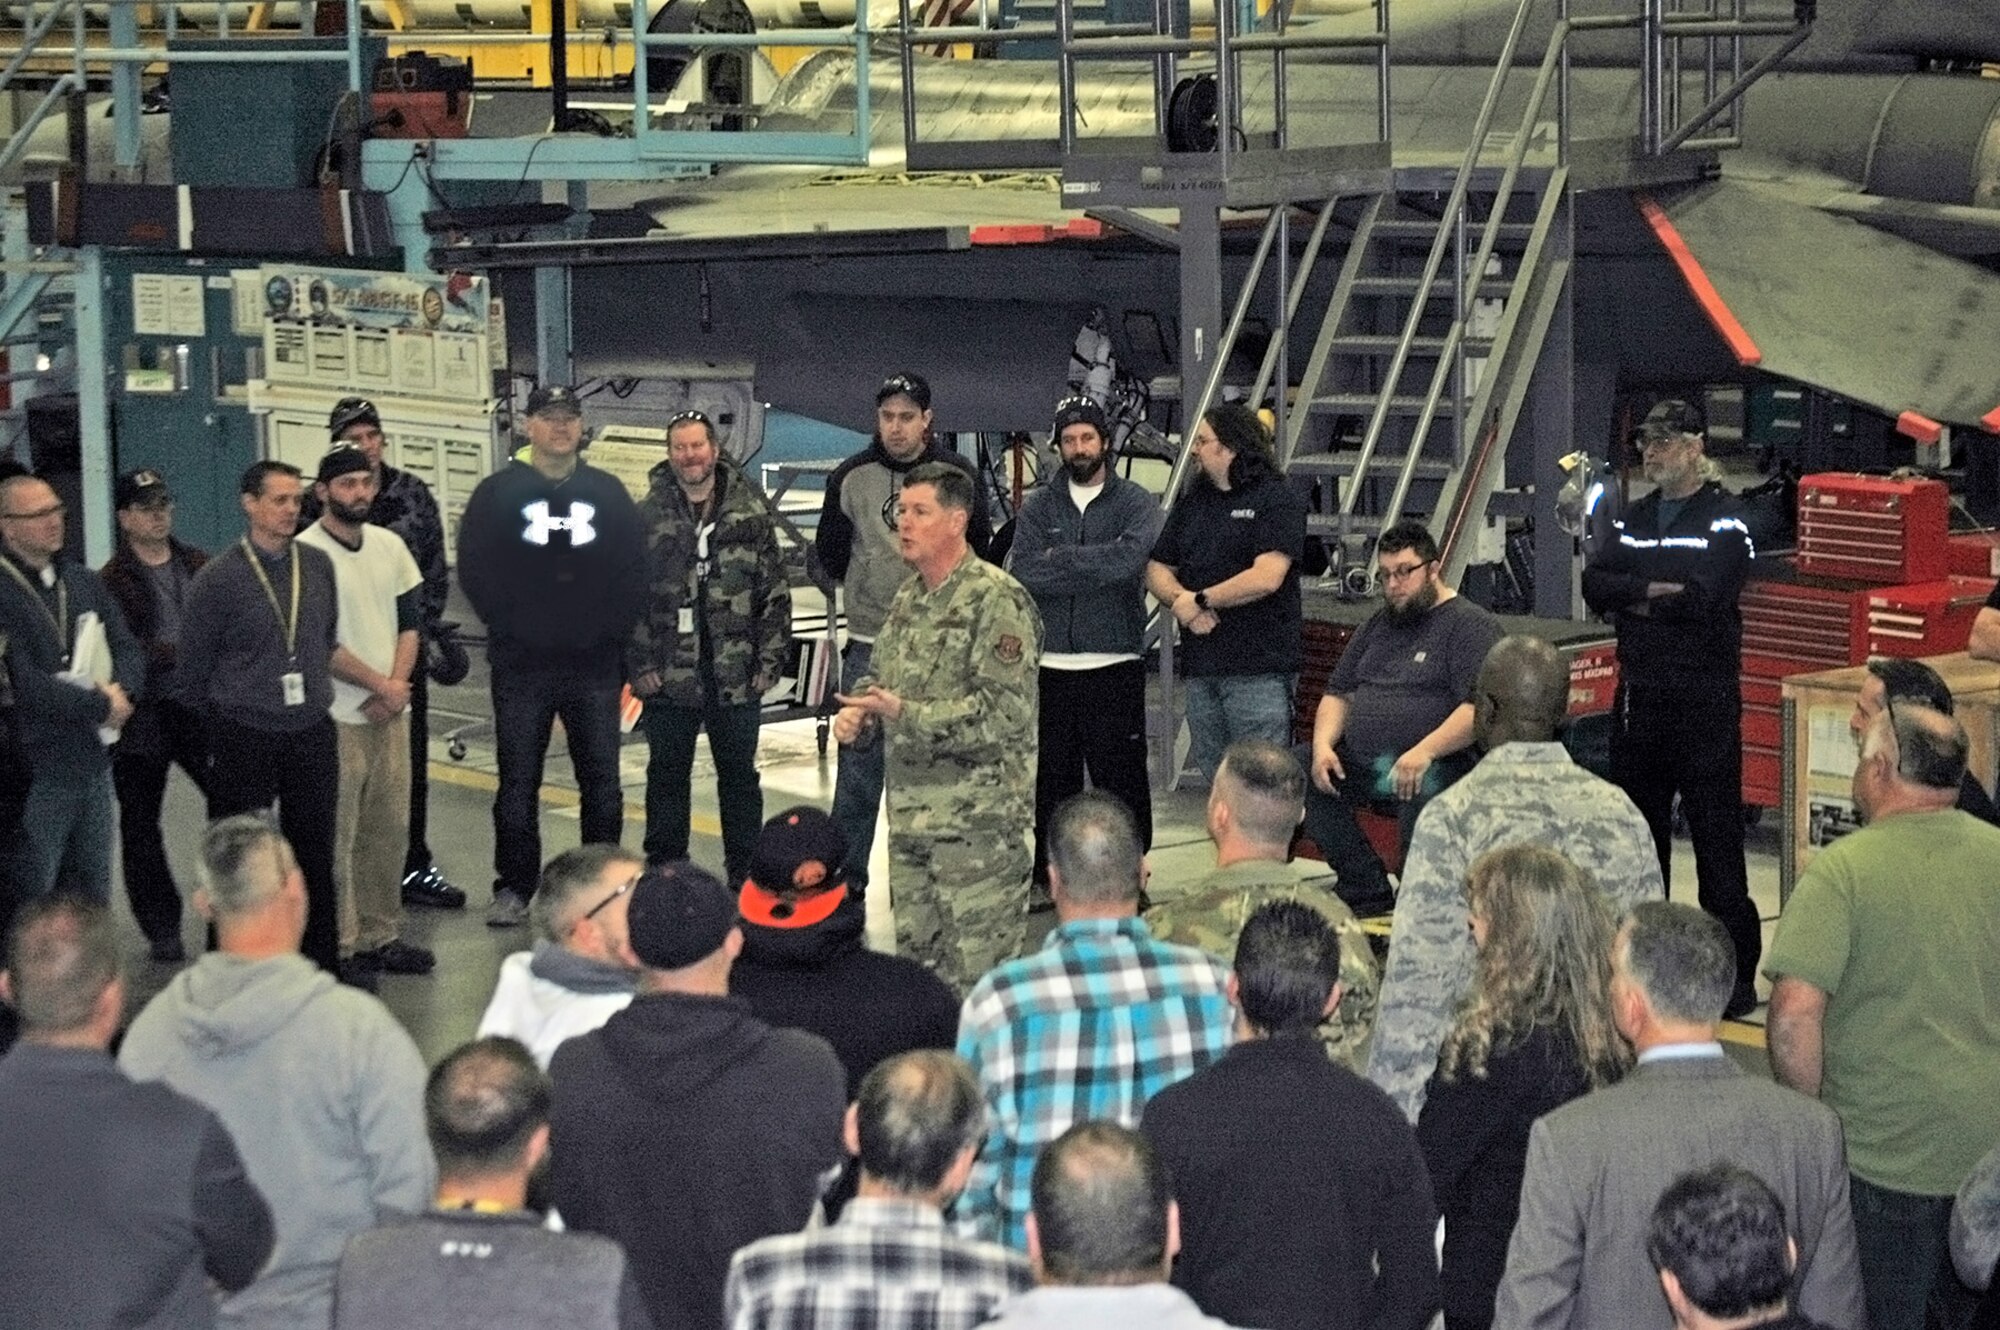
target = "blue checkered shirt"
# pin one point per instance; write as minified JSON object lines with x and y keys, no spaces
{"x":1093,"y":1025}
{"x":887,"y":1265}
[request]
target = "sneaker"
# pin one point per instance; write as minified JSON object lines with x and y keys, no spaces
{"x":427,"y":887}
{"x":506,"y":911}
{"x":400,"y":957}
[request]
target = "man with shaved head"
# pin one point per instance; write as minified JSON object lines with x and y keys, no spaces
{"x":1254,"y":806}
{"x":1526,"y":790}
{"x":1884,"y":967}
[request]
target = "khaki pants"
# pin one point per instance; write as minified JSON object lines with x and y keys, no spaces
{"x":371,"y":832}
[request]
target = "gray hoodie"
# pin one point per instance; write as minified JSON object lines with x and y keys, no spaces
{"x":322,"y":1091}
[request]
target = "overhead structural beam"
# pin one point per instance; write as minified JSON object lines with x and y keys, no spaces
{"x":1136,"y":224}
{"x":671,"y":249}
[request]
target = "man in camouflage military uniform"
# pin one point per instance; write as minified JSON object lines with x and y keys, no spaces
{"x":954,"y":696}
{"x":1526,"y":790}
{"x":1254,"y":806}
{"x":715,"y":636}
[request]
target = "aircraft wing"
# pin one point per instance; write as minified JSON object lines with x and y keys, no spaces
{"x":1811,"y":293}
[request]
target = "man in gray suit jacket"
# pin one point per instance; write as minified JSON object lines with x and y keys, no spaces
{"x":1597,"y":1165}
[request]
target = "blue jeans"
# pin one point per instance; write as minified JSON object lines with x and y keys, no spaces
{"x":66,"y":837}
{"x":1222,"y":708}
{"x":1903,"y":1241}
{"x":857,"y":784}
{"x":732,"y":741}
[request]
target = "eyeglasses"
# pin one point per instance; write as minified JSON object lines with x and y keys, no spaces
{"x":623,"y":888}
{"x":1405,"y":572}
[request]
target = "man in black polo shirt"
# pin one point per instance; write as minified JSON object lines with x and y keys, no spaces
{"x":257,"y":643}
{"x":1226,"y":566}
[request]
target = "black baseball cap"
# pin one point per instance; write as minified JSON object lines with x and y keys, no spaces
{"x":144,"y":485}
{"x":913,"y":386}
{"x":795,"y":872}
{"x":1671,"y":419}
{"x":555,"y":399}
{"x":679,"y":914}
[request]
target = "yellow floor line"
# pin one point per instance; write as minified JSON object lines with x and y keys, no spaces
{"x":555,"y":796}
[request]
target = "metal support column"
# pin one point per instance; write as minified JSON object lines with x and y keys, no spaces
{"x":124,"y":21}
{"x":554,"y":356}
{"x":1201,"y":299}
{"x":1553,"y":413}
{"x":93,"y":404}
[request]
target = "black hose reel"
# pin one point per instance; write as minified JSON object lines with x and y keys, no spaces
{"x":1192,"y":110}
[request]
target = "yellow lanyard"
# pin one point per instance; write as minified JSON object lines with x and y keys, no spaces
{"x":58,"y":617}
{"x":289,"y":624}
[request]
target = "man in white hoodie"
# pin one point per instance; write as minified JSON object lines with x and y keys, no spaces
{"x":320,"y":1087}
{"x":582,"y":968}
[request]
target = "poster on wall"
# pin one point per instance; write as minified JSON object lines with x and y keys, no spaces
{"x":389,"y":332}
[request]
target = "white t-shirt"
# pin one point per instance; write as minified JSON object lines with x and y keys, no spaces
{"x":366,"y":582}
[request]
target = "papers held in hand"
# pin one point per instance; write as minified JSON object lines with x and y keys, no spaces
{"x":90,"y":663}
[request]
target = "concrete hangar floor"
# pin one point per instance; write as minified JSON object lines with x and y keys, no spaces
{"x":442,"y":1010}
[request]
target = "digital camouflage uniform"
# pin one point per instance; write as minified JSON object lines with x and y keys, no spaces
{"x":1212,"y":912}
{"x":961,"y":765}
{"x":1520,"y":793}
{"x":745,"y":596}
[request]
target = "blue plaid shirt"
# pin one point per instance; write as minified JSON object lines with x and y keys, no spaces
{"x":1094,"y":1024}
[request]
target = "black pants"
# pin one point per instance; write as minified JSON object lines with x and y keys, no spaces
{"x":251,"y":769}
{"x":1092,"y":721}
{"x":1688,"y":740}
{"x":419,"y":856}
{"x":139,"y":768}
{"x":526,"y":700}
{"x":1361,"y":879}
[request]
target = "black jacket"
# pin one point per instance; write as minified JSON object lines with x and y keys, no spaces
{"x":124,"y":1199}
{"x":1696,"y":635}
{"x":686,"y":1128}
{"x":1474,"y":1131}
{"x":1303,"y":1199}
{"x":823,"y":980}
{"x":126,"y":578}
{"x":555,"y":585}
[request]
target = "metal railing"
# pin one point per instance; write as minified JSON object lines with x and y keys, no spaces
{"x":1164,"y":47}
{"x":801,"y":147}
{"x":1662,"y":35}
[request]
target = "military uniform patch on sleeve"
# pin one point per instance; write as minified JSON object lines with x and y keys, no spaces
{"x":1008,"y":649}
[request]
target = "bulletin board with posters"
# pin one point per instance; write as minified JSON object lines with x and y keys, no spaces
{"x":378,"y":334}
{"x":420,"y":347}
{"x":1821,"y":753}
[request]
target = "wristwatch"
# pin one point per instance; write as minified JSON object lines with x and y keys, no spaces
{"x":1201,"y":600}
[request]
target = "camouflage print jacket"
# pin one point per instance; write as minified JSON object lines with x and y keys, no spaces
{"x":1520,"y":793}
{"x":1212,"y":912}
{"x":739,"y":596}
{"x":964,"y":658}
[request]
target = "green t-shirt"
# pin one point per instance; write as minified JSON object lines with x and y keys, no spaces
{"x":1900,"y":925}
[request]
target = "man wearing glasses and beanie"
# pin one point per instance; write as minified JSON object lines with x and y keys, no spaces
{"x":1668,"y":580}
{"x":716,"y":636}
{"x":551,"y":555}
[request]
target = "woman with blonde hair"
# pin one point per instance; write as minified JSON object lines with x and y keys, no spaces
{"x":1534,"y":1033}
